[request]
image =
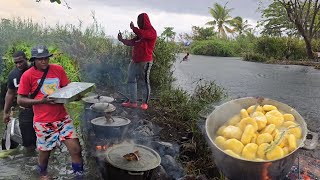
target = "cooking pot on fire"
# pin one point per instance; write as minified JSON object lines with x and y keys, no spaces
{"x":109,"y":126}
{"x":235,"y":168}
{"x":140,"y":169}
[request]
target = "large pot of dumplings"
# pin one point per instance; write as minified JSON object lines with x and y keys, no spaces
{"x":255,"y":141}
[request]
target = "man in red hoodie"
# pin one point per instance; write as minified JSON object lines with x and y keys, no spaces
{"x":140,"y":66}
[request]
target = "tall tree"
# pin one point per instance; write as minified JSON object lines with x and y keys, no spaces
{"x":304,"y":15}
{"x":200,"y":33}
{"x":275,"y":21}
{"x":240,"y":26}
{"x":168,"y":33}
{"x":221,"y":19}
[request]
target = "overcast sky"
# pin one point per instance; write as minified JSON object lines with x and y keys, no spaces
{"x":116,"y":15}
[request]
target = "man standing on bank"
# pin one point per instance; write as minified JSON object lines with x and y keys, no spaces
{"x":25,"y":114}
{"x":140,"y":66}
{"x":51,"y":122}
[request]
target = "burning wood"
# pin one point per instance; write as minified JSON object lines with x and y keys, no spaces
{"x":132,"y":156}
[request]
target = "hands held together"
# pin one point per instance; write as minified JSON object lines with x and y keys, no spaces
{"x":120,"y":38}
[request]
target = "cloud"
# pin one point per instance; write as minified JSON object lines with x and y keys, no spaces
{"x":116,"y":15}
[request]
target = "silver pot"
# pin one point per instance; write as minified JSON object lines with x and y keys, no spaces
{"x":234,"y":168}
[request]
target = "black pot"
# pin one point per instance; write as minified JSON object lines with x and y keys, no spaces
{"x":107,"y":130}
{"x":116,"y":173}
{"x":119,"y":168}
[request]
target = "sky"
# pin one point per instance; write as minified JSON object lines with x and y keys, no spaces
{"x":115,"y":15}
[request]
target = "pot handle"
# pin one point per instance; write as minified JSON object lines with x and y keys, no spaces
{"x":312,"y":142}
{"x":135,"y":173}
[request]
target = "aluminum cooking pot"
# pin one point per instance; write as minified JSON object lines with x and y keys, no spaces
{"x":104,"y":128}
{"x":98,"y":99}
{"x":240,"y":169}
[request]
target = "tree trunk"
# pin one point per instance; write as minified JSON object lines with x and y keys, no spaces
{"x":309,"y":48}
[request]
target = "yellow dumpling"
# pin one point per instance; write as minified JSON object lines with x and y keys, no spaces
{"x":269,"y":107}
{"x":275,"y":133}
{"x":232,"y":132}
{"x":261,"y":152}
{"x":292,"y":142}
{"x":231,"y":153}
{"x":254,"y":138}
{"x":249,"y":151}
{"x":220,"y":141}
{"x":234,"y":145}
{"x":274,"y":117}
{"x":269,"y":129}
{"x":234,"y":120}
{"x":295,"y":131}
{"x":285,"y":151}
{"x":247,"y":134}
{"x":246,"y":121}
{"x":275,"y":153}
{"x":260,"y":119}
{"x":288,"y":117}
{"x":264,"y":138}
{"x":243,"y":113}
{"x":220,"y":130}
{"x":289,"y":123}
{"x":251,"y":108}
{"x":280,"y":138}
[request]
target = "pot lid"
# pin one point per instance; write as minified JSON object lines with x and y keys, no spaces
{"x":114,"y":121}
{"x":103,"y":107}
{"x":148,"y":158}
{"x":98,"y":99}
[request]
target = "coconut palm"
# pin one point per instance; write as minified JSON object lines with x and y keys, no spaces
{"x":222,"y":19}
{"x":240,"y":26}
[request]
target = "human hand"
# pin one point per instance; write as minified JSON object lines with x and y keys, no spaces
{"x":131,"y":25}
{"x":120,"y":36}
{"x":6,"y":118}
{"x":47,"y":100}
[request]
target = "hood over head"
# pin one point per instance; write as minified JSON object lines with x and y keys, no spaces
{"x":144,"y":21}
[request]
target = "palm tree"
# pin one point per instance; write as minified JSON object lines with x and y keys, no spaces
{"x":241,"y":26}
{"x":222,"y":19}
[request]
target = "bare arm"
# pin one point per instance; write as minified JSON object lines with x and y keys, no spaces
{"x":9,"y":100}
{"x":27,"y":102}
{"x":7,"y":105}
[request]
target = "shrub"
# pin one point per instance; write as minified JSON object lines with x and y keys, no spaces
{"x":255,"y":57}
{"x":215,"y":47}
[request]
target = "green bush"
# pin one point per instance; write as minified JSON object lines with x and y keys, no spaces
{"x":281,"y":48}
{"x":215,"y":47}
{"x":68,"y":63}
{"x":164,"y":57}
{"x":255,"y":57}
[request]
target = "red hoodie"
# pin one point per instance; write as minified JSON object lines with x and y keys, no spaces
{"x":144,"y":42}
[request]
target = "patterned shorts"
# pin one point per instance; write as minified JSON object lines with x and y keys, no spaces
{"x":50,"y":135}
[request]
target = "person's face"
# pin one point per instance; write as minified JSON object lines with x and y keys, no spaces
{"x":42,"y":63}
{"x":140,"y":21}
{"x":21,"y":63}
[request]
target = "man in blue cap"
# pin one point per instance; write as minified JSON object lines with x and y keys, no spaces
{"x":51,"y":122}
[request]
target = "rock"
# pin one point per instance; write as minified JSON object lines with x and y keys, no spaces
{"x":173,"y":169}
{"x":159,"y":174}
{"x":165,"y":148}
{"x":143,"y":131}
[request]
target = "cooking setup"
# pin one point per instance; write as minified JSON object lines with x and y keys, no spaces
{"x":116,"y":157}
{"x":107,"y":130}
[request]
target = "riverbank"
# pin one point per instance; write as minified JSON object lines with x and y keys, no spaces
{"x":315,"y":64}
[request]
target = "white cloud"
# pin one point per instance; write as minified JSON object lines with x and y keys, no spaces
{"x":112,"y":19}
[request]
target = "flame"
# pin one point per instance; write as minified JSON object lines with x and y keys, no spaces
{"x":264,"y":173}
{"x":103,"y":147}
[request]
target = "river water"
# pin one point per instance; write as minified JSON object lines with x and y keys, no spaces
{"x":297,"y":86}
